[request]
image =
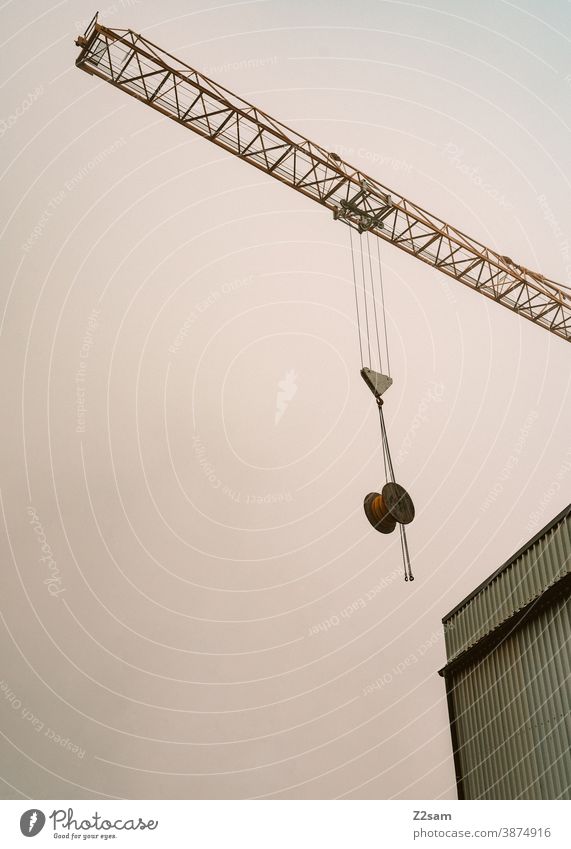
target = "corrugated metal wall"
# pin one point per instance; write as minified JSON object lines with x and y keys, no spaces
{"x":513,"y":713}
{"x":508,"y":675}
{"x":522,"y":581}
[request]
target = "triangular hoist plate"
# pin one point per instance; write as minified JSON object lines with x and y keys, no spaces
{"x":377,"y":383}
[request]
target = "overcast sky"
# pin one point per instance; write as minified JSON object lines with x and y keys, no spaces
{"x":192,"y":601}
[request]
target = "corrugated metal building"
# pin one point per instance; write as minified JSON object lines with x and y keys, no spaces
{"x":508,"y":675}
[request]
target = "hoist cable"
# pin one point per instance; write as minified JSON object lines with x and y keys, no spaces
{"x":356,"y":298}
{"x":383,"y":305}
{"x":374,"y":301}
{"x":408,"y":576}
{"x":365,"y":295}
{"x":387,"y":459}
{"x":403,"y":554}
{"x":385,"y":442}
{"x":388,"y":463}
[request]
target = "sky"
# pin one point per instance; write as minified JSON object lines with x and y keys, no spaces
{"x":192,"y":603}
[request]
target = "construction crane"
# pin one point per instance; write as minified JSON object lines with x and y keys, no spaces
{"x":145,"y":71}
{"x":137,"y":66}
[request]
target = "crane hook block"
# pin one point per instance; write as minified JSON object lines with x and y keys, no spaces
{"x":385,"y":509}
{"x":377,"y":383}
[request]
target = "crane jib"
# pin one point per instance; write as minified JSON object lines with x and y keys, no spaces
{"x":137,"y":66}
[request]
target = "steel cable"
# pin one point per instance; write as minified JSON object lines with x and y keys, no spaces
{"x":356,"y":298}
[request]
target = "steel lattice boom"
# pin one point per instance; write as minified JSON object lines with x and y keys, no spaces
{"x":143,"y":70}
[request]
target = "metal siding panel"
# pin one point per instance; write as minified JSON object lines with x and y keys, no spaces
{"x":521,"y":582}
{"x":448,"y":639}
{"x":473,"y":766}
{"x":557,"y":648}
{"x":548,"y":712}
{"x":563,"y":550}
{"x":538,"y":578}
{"x":496,"y":745}
{"x":476,"y":618}
{"x":531,"y":586}
{"x":561,"y":637}
{"x":513,"y":706}
{"x":507,"y":592}
{"x":466,"y":739}
{"x":508,"y":671}
{"x":513,"y":712}
{"x":538,"y":703}
{"x":523,"y":786}
{"x":555,"y":690}
{"x":469,"y":616}
{"x":492,"y":754}
{"x":462,"y":697}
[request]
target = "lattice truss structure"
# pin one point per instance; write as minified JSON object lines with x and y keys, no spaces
{"x":143,"y":70}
